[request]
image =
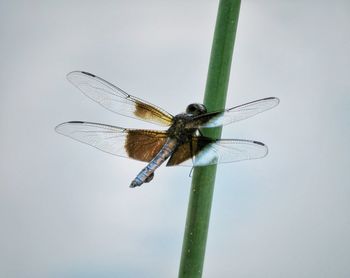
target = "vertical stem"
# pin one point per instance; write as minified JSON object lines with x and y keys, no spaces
{"x":198,"y":213}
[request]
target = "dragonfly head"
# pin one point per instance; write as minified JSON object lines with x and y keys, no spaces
{"x":196,"y":109}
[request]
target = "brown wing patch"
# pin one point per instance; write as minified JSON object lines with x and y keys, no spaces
{"x":188,"y":150}
{"x":151,"y":113}
{"x":181,"y":154}
{"x":143,"y":145}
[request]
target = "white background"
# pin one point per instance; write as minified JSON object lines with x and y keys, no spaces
{"x":66,"y":209}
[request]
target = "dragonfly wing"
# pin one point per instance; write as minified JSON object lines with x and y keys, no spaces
{"x":116,"y":100}
{"x":204,"y":151}
{"x":235,"y":114}
{"x":137,"y":144}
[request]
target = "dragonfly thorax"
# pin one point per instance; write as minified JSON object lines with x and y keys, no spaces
{"x":179,"y":128}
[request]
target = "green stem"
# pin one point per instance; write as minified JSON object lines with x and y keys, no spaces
{"x":198,"y":213}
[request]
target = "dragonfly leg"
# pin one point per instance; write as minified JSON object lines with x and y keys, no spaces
{"x":149,"y":178}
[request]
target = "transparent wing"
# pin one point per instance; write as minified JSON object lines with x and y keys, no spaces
{"x":205,"y":151}
{"x":116,"y":100}
{"x":137,"y":144}
{"x":235,"y":114}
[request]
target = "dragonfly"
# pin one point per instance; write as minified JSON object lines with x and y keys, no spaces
{"x":182,"y":143}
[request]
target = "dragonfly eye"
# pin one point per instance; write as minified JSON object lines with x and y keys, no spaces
{"x":196,"y":109}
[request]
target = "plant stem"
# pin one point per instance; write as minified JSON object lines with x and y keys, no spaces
{"x":198,"y":213}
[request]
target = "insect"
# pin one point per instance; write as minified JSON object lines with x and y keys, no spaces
{"x":181,"y":144}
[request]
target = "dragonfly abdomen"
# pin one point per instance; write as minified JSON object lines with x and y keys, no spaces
{"x":146,"y":173}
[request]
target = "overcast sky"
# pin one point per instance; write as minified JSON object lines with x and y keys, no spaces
{"x":66,"y":209}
